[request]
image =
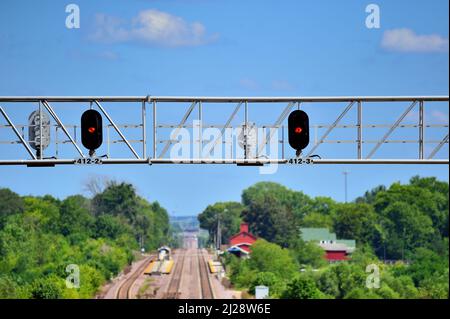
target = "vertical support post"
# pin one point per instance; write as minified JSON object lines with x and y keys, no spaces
{"x":315,"y":134}
{"x":144,"y":131}
{"x":421,"y":130}
{"x":245,"y":129}
{"x":200,"y":129}
{"x":154,"y":129}
{"x":107,"y":141}
{"x":40,"y":131}
{"x":56,"y":141}
{"x":359,"y":125}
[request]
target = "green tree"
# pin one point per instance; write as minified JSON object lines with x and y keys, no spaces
{"x":8,"y":288}
{"x":309,"y":254}
{"x":302,"y":287}
{"x":269,"y":257}
{"x":112,"y":227}
{"x":425,"y":263}
{"x":229,"y":214}
{"x":356,"y":221}
{"x":349,"y":277}
{"x":428,"y":198}
{"x":276,"y":284}
{"x":269,"y":218}
{"x":75,"y":216}
{"x":370,"y":196}
{"x":317,"y":220}
{"x":47,"y":288}
{"x":328,"y":283}
{"x":361,"y":293}
{"x":10,"y":203}
{"x":117,"y":200}
{"x":39,"y":240}
{"x":407,"y":228}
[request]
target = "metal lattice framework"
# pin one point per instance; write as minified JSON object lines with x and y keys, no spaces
{"x":252,"y":154}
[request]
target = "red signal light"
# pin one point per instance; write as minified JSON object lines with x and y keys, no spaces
{"x":298,"y":130}
{"x":91,"y":130}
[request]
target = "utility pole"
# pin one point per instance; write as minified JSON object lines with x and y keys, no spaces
{"x":141,"y":242}
{"x":345,"y":183}
{"x":219,"y":231}
{"x":218,"y":234}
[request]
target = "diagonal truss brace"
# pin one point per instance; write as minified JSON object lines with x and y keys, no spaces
{"x":392,"y":129}
{"x":275,"y":126}
{"x":227,"y":124}
{"x":182,"y":122}
{"x":25,"y":144}
{"x":56,"y":118}
{"x":336,"y":122}
{"x":442,"y":143}
{"x":117,"y":129}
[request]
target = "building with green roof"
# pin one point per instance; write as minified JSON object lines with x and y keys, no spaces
{"x":336,"y":249}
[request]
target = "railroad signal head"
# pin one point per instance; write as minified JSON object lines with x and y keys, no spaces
{"x":91,"y":129}
{"x":39,"y":140}
{"x":298,"y":127}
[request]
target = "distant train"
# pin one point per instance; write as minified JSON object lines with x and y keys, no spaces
{"x":163,"y":264}
{"x":163,"y":253}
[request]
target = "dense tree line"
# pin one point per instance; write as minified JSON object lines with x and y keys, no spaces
{"x":408,"y":223}
{"x":278,"y":268}
{"x":41,"y":236}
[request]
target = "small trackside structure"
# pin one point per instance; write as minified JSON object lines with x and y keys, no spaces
{"x":164,"y":253}
{"x":241,"y":242}
{"x":335,"y":249}
{"x":163,"y":264}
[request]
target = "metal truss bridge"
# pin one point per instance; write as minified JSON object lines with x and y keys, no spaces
{"x":225,"y":130}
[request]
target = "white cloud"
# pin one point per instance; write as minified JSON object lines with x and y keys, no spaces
{"x":151,"y":27}
{"x":434,"y":117}
{"x":107,"y":55}
{"x":282,"y":85}
{"x":440,"y":117}
{"x":406,"y":40}
{"x":249,"y":84}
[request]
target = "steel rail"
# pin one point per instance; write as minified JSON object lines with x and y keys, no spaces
{"x":173,"y":289}
{"x":124,"y":290}
{"x":206,"y":289}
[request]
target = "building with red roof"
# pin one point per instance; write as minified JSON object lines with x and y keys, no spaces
{"x":241,"y":242}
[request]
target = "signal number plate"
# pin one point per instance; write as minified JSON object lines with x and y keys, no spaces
{"x":88,"y":161}
{"x":299,"y":161}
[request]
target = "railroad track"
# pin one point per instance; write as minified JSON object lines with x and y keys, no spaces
{"x":205,"y":283}
{"x":173,"y":291}
{"x":124,"y":290}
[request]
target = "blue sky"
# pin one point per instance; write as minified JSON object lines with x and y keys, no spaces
{"x":221,"y":48}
